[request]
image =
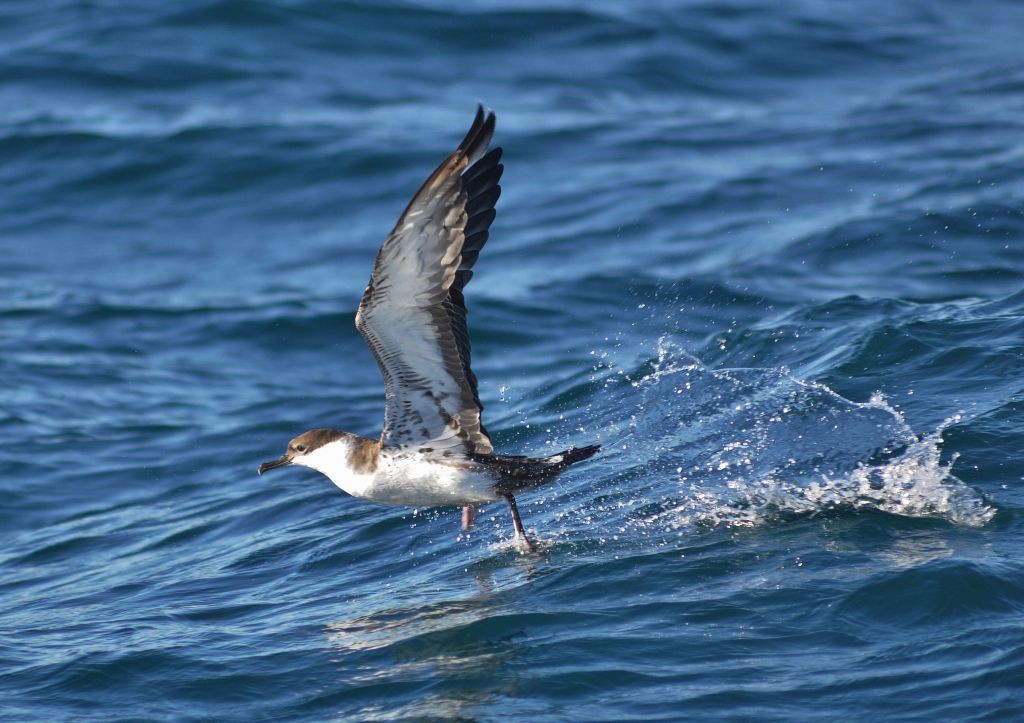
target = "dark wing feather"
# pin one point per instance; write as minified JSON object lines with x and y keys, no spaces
{"x":413,"y":313}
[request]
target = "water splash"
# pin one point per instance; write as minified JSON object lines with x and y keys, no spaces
{"x":753,"y":446}
{"x":915,"y":483}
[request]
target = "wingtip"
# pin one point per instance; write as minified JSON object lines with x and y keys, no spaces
{"x":484,"y":113}
{"x":475,"y":143}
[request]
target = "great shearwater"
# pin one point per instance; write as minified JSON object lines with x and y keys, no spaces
{"x":433,"y":449}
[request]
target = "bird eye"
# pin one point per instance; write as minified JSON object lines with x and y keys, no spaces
{"x":300,"y":448}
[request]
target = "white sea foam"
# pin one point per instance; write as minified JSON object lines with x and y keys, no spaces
{"x":752,"y":446}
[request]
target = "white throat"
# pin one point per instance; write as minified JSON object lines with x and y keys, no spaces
{"x":332,"y":460}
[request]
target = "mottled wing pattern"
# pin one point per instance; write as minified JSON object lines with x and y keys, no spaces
{"x":413,"y":315}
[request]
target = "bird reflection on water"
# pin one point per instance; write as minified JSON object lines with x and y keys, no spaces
{"x":447,"y":639}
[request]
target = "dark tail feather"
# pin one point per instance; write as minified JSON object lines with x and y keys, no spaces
{"x":571,"y":456}
{"x":519,"y":474}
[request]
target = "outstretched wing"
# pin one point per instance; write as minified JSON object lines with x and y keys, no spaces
{"x":413,"y":315}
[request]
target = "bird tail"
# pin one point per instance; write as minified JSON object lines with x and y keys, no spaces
{"x":571,"y":456}
{"x":518,"y":474}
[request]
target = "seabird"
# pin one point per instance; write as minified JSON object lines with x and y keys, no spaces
{"x":434,"y":449}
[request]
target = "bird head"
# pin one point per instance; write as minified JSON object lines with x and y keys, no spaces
{"x":300,"y":448}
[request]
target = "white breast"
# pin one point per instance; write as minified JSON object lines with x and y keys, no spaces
{"x":418,"y":482}
{"x":407,"y":479}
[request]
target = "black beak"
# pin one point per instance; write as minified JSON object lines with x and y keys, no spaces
{"x":281,"y":461}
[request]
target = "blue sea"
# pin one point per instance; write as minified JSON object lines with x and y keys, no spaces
{"x":770,"y":255}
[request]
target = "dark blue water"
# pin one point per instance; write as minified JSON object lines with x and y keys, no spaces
{"x":770,"y":255}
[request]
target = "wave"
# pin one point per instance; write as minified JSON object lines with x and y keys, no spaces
{"x":754,"y":446}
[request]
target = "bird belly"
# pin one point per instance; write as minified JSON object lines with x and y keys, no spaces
{"x":416,"y":482}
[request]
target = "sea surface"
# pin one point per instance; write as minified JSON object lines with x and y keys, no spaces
{"x":770,"y":255}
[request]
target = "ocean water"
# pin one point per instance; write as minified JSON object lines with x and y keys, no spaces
{"x":770,"y":255}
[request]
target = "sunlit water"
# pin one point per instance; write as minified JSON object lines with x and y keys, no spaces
{"x":768,"y":255}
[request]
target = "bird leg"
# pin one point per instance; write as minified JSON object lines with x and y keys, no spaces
{"x":468,"y":515}
{"x":518,"y":523}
